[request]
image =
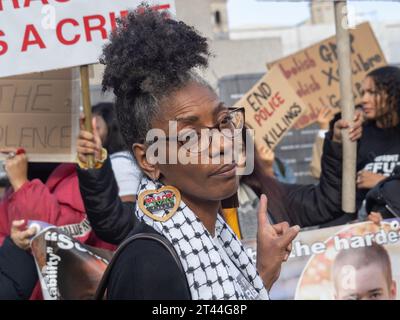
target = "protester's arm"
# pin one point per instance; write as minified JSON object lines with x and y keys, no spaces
{"x":368,"y":180}
{"x":312,"y":205}
{"x":325,"y":115}
{"x":18,"y":274}
{"x":110,"y":218}
{"x":34,"y":201}
{"x":30,"y":199}
{"x":315,"y":165}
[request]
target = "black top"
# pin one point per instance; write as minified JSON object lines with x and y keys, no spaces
{"x":111,"y":219}
{"x":18,"y":275}
{"x":379,"y":152}
{"x":145,"y":270}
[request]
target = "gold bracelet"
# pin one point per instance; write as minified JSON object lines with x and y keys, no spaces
{"x":98,"y":164}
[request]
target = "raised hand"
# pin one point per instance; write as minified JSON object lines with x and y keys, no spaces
{"x":88,"y":143}
{"x":274,"y":243}
{"x":325,"y":115}
{"x":355,"y":131}
{"x":16,"y":167}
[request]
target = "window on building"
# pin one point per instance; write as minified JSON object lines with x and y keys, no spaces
{"x":217,"y":16}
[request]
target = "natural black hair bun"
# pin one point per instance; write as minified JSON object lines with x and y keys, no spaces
{"x":150,"y":53}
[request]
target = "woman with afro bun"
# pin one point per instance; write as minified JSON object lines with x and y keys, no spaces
{"x":150,"y":65}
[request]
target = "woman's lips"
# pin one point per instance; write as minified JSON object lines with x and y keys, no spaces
{"x":367,"y":109}
{"x":227,"y":170}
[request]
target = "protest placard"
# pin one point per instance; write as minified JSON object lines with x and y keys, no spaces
{"x":313,"y":72}
{"x":272,"y":108}
{"x":68,"y":270}
{"x":353,"y":261}
{"x":53,"y":34}
{"x":40,"y":113}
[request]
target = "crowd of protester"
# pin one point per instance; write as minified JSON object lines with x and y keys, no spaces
{"x":156,"y":82}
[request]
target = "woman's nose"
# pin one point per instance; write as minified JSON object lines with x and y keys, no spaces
{"x":220,"y":144}
{"x":365,"y":97}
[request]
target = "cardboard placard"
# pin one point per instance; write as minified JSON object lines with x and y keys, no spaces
{"x":45,"y":35}
{"x":313,"y":72}
{"x":272,"y":108}
{"x":40,"y":113}
{"x":348,"y":262}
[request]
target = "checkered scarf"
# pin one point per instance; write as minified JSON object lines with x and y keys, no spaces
{"x":206,"y":272}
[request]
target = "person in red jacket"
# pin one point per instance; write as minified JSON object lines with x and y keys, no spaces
{"x":56,"y":201}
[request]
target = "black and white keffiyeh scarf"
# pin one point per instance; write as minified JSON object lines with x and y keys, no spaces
{"x":206,"y":271}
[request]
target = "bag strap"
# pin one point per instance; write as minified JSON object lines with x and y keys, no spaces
{"x":140,"y":236}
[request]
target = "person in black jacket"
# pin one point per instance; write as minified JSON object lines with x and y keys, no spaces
{"x":379,"y":147}
{"x":18,"y":274}
{"x":384,"y":199}
{"x":150,"y":65}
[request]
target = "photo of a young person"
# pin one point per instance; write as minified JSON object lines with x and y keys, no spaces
{"x":363,"y":273}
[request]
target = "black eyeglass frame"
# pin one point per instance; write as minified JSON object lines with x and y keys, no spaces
{"x":217,"y":126}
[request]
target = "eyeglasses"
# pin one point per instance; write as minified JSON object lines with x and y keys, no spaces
{"x":199,"y":140}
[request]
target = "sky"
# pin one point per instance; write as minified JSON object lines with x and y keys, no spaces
{"x":279,"y":13}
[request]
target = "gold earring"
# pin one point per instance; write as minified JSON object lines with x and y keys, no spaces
{"x":160,"y":204}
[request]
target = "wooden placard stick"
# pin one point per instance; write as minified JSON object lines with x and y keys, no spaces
{"x":87,"y":107}
{"x":347,"y":106}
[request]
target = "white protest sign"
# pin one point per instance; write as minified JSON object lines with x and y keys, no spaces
{"x":44,"y":35}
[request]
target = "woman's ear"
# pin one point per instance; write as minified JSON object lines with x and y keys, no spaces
{"x":149,"y":168}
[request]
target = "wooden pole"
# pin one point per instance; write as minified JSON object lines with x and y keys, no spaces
{"x":347,"y":106}
{"x":87,"y":107}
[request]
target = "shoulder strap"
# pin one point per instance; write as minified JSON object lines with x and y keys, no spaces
{"x":140,"y":236}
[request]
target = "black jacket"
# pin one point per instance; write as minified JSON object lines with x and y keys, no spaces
{"x":111,"y":219}
{"x":18,"y":274}
{"x":385,"y":197}
{"x":306,"y":205}
{"x":320,"y":204}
